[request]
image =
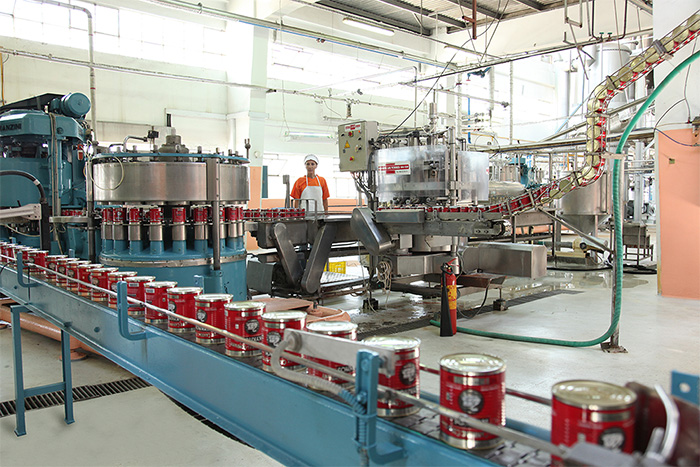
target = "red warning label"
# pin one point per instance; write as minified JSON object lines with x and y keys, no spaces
{"x":395,"y":168}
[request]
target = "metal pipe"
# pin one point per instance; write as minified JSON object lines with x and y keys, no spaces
{"x":594,"y":241}
{"x":89,"y":195}
{"x":614,"y":111}
{"x":33,"y":323}
{"x":158,"y":74}
{"x":639,"y":134}
{"x":535,"y":53}
{"x":200,"y":9}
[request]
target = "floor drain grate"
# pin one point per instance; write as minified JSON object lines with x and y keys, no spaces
{"x":80,"y":393}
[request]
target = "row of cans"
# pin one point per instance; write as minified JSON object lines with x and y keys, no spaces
{"x":453,"y":209}
{"x":274,"y":214}
{"x":200,"y":214}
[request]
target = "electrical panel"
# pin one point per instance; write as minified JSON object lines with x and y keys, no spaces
{"x":353,"y":145}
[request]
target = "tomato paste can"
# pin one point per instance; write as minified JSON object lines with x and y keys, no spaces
{"x":340,"y":329}
{"x":83,"y":273}
{"x":52,"y":264}
{"x":181,"y":302}
{"x":244,"y":319}
{"x":473,"y":384}
{"x":72,"y":273}
{"x":156,"y":294}
{"x":593,"y":411}
{"x":274,"y":324}
{"x":112,"y":279}
{"x":4,"y":256}
{"x":136,"y":289}
{"x":37,"y":258}
{"x":406,"y":377}
{"x":99,"y":278}
{"x":209,"y":309}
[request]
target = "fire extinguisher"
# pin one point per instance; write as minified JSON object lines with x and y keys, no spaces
{"x":448,"y":305}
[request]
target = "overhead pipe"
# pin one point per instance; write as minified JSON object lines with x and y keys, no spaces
{"x":36,"y":324}
{"x":158,"y":74}
{"x":199,"y":9}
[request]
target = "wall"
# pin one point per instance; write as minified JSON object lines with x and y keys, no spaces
{"x":679,"y":214}
{"x":678,"y":217}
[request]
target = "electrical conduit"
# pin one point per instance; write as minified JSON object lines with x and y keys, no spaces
{"x":617,"y":286}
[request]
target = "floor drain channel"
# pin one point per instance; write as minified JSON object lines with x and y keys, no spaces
{"x":80,"y":393}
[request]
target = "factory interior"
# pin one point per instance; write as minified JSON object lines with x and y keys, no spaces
{"x":349,"y":232}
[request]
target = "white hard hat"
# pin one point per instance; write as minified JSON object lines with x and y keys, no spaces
{"x":311,"y":157}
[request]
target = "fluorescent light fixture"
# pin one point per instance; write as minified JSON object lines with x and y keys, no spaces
{"x":368,"y":27}
{"x":284,"y":65}
{"x":308,"y":134}
{"x":454,"y":48}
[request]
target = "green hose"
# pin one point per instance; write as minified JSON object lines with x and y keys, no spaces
{"x":617,"y":285}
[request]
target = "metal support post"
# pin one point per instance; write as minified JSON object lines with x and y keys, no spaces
{"x":366,"y":383}
{"x":21,"y":393}
{"x":123,"y":315}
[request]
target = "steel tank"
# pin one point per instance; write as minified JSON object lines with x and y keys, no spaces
{"x":588,"y":206}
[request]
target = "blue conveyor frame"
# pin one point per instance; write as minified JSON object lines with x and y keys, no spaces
{"x":288,"y":422}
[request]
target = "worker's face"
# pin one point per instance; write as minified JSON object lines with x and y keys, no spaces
{"x":310,"y":167}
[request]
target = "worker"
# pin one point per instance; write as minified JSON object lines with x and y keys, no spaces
{"x":311,"y":190}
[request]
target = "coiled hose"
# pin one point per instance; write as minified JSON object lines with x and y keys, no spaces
{"x":617,"y":216}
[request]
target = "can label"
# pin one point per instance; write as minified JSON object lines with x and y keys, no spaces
{"x":406,"y":378}
{"x":183,"y":305}
{"x":179,"y":216}
{"x":273,"y":332}
{"x":246,"y":324}
{"x":480,"y":397}
{"x":213,"y":314}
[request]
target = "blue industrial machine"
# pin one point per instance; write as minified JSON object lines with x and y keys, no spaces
{"x":174,"y":214}
{"x":46,"y":137}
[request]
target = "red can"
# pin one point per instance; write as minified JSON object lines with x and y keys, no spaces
{"x":200,"y":214}
{"x":243,"y":319}
{"x":112,"y":279}
{"x":39,"y":258}
{"x":72,"y":272}
{"x":181,"y":301}
{"x":274,"y":324}
{"x":29,"y":260}
{"x":179,"y":215}
{"x":99,"y":278}
{"x":593,"y":411}
{"x":3,"y":252}
{"x":210,"y":309}
{"x":84,"y":276}
{"x":119,"y":214}
{"x":156,"y":294}
{"x":108,"y":215}
{"x":155,"y":215}
{"x":52,"y":264}
{"x":473,"y":384}
{"x":134,"y":215}
{"x":340,"y":329}
{"x":406,"y":377}
{"x":136,"y":289}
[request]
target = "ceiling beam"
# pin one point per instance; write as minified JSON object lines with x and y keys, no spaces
{"x":480,"y":9}
{"x":532,"y":4}
{"x":374,"y":17}
{"x":425,"y":12}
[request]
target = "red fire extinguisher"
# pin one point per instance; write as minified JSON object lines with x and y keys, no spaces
{"x":448,"y":305}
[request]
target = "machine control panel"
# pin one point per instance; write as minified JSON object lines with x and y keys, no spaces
{"x":353,"y":144}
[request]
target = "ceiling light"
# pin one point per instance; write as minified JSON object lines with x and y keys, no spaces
{"x":368,"y":27}
{"x":308,"y":134}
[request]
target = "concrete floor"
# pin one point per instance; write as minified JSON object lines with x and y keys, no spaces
{"x":143,"y":427}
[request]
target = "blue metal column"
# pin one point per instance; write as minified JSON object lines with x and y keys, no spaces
{"x":21,"y":393}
